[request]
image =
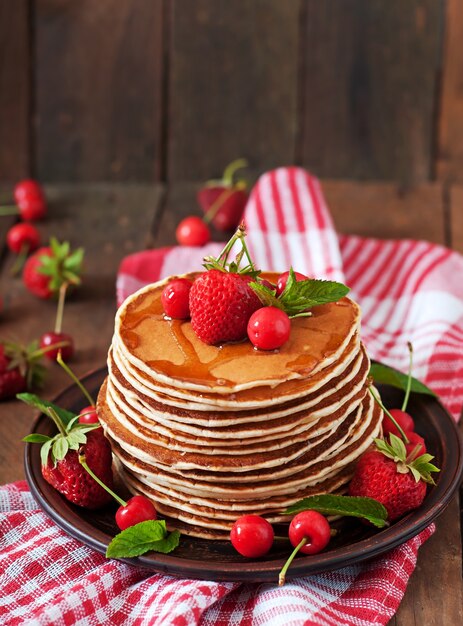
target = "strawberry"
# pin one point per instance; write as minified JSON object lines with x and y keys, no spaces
{"x":389,"y":476}
{"x":46,"y":271}
{"x":20,"y":368}
{"x":223,"y":200}
{"x":61,"y":454}
{"x":221,"y":300}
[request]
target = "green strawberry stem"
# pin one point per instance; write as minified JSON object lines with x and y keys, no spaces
{"x":394,"y":421}
{"x":71,"y":374}
{"x":231,"y":170}
{"x":282,"y":576}
{"x":215,"y":206}
{"x":20,"y":259}
{"x":55,"y":417}
{"x":9,"y":209}
{"x":83,"y":462}
{"x":40,"y":352}
{"x":409,"y":381}
{"x":60,"y":307}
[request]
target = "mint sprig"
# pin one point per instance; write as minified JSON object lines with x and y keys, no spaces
{"x":144,"y":537}
{"x":351,"y":506}
{"x":300,"y":295}
{"x":389,"y":376}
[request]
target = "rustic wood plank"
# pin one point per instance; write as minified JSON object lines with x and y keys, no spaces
{"x":233,"y":85}
{"x":456,"y":217}
{"x":450,"y":139}
{"x":387,"y":210}
{"x":434,"y":594}
{"x":370,"y":78}
{"x":99,"y":85}
{"x":99,"y":217}
{"x":14,"y":90}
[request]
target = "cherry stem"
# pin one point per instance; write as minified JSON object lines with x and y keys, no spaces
{"x":70,"y":373}
{"x":55,"y":417}
{"x":231,"y":169}
{"x":9,"y":209}
{"x":393,"y":420}
{"x":282,"y":576}
{"x":409,"y":381}
{"x":18,"y":264}
{"x":83,"y":462}
{"x":53,"y":346}
{"x":215,"y":206}
{"x":60,"y":307}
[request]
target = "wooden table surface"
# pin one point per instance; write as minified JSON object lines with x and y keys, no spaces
{"x":111,"y":221}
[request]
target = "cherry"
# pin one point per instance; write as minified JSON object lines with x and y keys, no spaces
{"x":23,"y":238}
{"x":416,"y":442}
{"x":192,"y":231}
{"x":175,"y":299}
{"x":137,"y":509}
{"x":29,"y":197}
{"x":269,"y":328}
{"x":88,"y":415}
{"x":252,"y":536}
{"x":283,"y":279}
{"x":64,"y":344}
{"x":404,"y":420}
{"x":309,"y":532}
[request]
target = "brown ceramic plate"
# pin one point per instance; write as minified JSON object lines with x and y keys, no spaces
{"x":217,"y":560}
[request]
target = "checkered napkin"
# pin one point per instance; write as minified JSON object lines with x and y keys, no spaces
{"x":408,"y":290}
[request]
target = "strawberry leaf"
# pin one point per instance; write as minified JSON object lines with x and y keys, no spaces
{"x":34,"y":401}
{"x":352,"y":506}
{"x":45,"y":451}
{"x":141,"y":538}
{"x":60,"y":448}
{"x":390,"y":376}
{"x":36,"y":438}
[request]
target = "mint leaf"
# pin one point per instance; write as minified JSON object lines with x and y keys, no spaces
{"x":390,"y":376}
{"x":141,"y":538}
{"x":352,"y":506}
{"x":32,"y":400}
{"x":300,"y":295}
{"x":265,"y":295}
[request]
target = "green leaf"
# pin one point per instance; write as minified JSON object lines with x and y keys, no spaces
{"x":45,"y":451}
{"x":36,"y":438}
{"x":352,"y":506}
{"x":304,"y":294}
{"x":75,"y":439}
{"x":42,"y":405}
{"x":60,"y":448}
{"x":390,"y":376}
{"x":265,"y":295}
{"x":141,"y":538}
{"x":167,"y":544}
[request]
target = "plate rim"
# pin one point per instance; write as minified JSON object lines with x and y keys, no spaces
{"x":253,"y":570}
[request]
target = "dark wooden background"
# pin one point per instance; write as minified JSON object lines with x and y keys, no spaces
{"x":169,"y":90}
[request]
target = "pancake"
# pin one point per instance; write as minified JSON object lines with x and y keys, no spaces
{"x":210,"y":433}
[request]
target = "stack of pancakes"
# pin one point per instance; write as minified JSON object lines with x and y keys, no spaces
{"x":210,"y":433}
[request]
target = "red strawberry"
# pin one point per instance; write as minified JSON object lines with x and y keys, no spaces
{"x":20,"y":368}
{"x":221,"y":304}
{"x":74,"y":482}
{"x":223,"y":200}
{"x":386,"y":475}
{"x":60,"y":456}
{"x":46,"y":271}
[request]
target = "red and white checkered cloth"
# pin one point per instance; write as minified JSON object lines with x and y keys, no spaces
{"x":408,"y":290}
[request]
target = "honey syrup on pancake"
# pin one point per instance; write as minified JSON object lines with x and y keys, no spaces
{"x":149,"y":336}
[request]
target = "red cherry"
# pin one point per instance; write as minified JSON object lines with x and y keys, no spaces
{"x":29,"y":197}
{"x":252,"y":536}
{"x":175,"y":299}
{"x":312,"y":526}
{"x":51,"y":338}
{"x":192,"y":231}
{"x":88,"y":415}
{"x":137,"y":509}
{"x":415,"y":441}
{"x":269,"y":328}
{"x":404,"y":420}
{"x":23,"y":238}
{"x":283,"y":279}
